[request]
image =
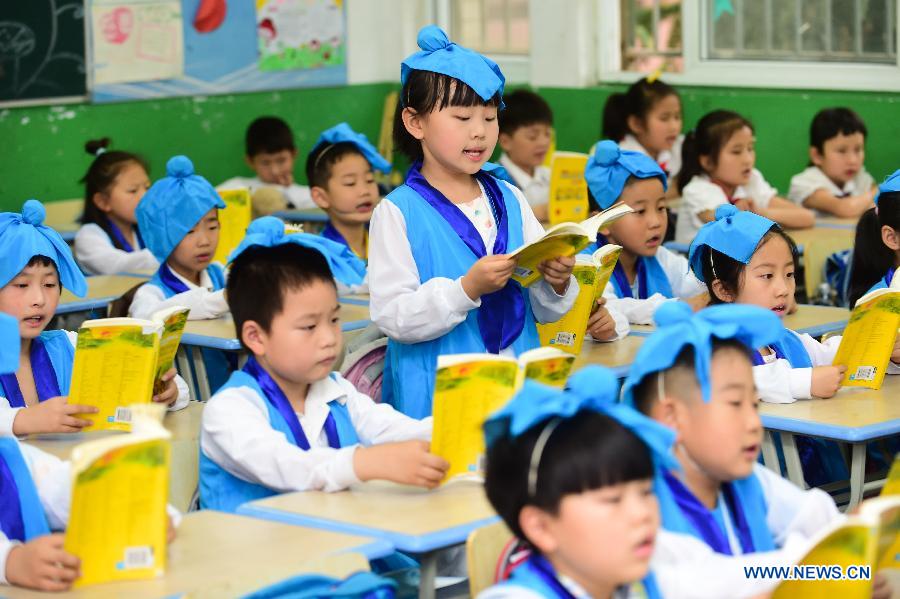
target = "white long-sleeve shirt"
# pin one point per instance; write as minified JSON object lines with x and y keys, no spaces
{"x":812,"y":179}
{"x":97,"y":255}
{"x":203,"y":300}
{"x":536,"y":187}
{"x":237,"y":435}
{"x":8,"y":413}
{"x":410,"y":311}
{"x":640,"y":311}
{"x":296,"y":196}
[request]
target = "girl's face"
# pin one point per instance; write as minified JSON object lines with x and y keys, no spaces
{"x":660,"y":127}
{"x":457,"y":140}
{"x":31,"y":298}
{"x":736,"y":159}
{"x":768,"y":280}
{"x":604,"y":538}
{"x":641,"y":232}
{"x":122,"y":197}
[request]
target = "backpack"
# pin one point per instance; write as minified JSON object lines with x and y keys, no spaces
{"x":835,"y":286}
{"x":362,"y":585}
{"x":363,"y":365}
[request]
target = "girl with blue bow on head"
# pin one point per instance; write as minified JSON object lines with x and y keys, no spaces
{"x":876,"y":252}
{"x":438,"y":253}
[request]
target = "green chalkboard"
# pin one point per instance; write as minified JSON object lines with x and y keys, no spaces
{"x":42,"y":50}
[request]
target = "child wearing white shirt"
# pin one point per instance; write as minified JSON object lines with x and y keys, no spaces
{"x":526,"y":130}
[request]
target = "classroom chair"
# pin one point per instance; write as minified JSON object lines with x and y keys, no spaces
{"x":484,"y":548}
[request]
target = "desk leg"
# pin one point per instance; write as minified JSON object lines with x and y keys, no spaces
{"x":792,"y":460}
{"x":200,"y":371}
{"x":184,"y":369}
{"x":857,"y":475}
{"x":427,"y":574}
{"x":769,"y":453}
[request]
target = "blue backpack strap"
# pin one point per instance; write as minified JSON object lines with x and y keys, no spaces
{"x":362,"y":585}
{"x":31,"y":521}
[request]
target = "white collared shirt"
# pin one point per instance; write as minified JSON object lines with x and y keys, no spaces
{"x":535,"y":187}
{"x":97,"y":255}
{"x":204,"y":302}
{"x":237,"y":435}
{"x":296,"y":196}
{"x":812,"y":179}
{"x":669,"y":160}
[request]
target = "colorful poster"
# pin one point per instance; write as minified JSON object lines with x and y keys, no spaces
{"x":136,"y":40}
{"x":299,"y":34}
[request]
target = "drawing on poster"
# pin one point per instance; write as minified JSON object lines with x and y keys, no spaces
{"x":299,"y":34}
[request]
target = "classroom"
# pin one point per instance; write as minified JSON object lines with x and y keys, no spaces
{"x":450,"y":298}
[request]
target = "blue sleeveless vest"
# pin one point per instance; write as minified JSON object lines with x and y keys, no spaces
{"x":62,"y":355}
{"x":22,"y":515}
{"x":439,"y":252}
{"x":215,"y":272}
{"x":220,"y":490}
{"x":527,"y":576}
{"x":655,"y":280}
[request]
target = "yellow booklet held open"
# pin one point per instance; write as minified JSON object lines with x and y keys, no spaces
{"x":568,"y":200}
{"x":867,"y":540}
{"x":470,"y":387}
{"x":233,"y":221}
{"x":117,"y":524}
{"x":869,"y":338}
{"x":119,"y":362}
{"x":592,"y":271}
{"x":566,"y":239}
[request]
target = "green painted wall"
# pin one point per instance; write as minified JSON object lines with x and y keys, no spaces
{"x":43,"y":155}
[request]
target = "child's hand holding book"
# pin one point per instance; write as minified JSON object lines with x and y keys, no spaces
{"x":405,"y":462}
{"x":55,"y":415}
{"x":42,"y":564}
{"x":165,"y":391}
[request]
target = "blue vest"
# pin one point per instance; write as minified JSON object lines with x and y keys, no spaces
{"x":62,"y":355}
{"x":526,"y":576}
{"x":220,"y":490}
{"x":438,"y":251}
{"x":884,"y":282}
{"x":790,"y":346}
{"x":748,"y":492}
{"x":657,"y":281}
{"x":31,"y":511}
{"x":215,"y":272}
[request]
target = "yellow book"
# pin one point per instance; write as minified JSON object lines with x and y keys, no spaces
{"x":233,"y":221}
{"x":566,"y":239}
{"x":568,"y":199}
{"x":892,"y":482}
{"x":867,"y":541}
{"x":118,"y":521}
{"x":470,"y":387}
{"x":592,"y":271}
{"x":869,"y":338}
{"x":119,"y":362}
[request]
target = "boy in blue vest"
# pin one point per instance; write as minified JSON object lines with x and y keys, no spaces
{"x":286,"y":422}
{"x":36,"y":265}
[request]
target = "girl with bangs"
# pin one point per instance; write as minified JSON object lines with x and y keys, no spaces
{"x":439,"y":268}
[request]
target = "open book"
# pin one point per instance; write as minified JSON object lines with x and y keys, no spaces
{"x":568,"y":200}
{"x":592,"y":271}
{"x":470,"y":387}
{"x":233,"y":221}
{"x":118,"y":521}
{"x":120,"y":361}
{"x":869,"y":338}
{"x":566,"y":239}
{"x":867,"y":541}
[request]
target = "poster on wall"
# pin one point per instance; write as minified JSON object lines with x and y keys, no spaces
{"x":136,"y":40}
{"x":299,"y":34}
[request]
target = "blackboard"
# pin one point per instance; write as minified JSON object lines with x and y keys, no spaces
{"x":42,"y":50}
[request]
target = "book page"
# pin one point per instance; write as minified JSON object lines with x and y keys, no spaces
{"x":464,"y":396}
{"x":117,"y":525}
{"x":173,"y":328}
{"x":113,"y":368}
{"x":529,"y":257}
{"x":868,"y":341}
{"x":553,"y":372}
{"x":233,"y":221}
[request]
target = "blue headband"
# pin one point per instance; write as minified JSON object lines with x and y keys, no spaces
{"x":891,"y":183}
{"x":343,"y":133}
{"x":735,"y":233}
{"x":677,"y":327}
{"x":609,"y":168}
{"x":24,"y":236}
{"x":440,"y":55}
{"x":268,"y":231}
{"x":593,"y":388}
{"x":173,"y":206}
{"x":9,"y":344}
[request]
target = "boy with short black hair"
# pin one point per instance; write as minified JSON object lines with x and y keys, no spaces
{"x":526,"y":126}
{"x":836,"y":182}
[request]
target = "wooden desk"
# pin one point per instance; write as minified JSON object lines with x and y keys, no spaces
{"x":185,"y":428}
{"x":102,"y":290}
{"x":833,"y":222}
{"x":617,"y":355}
{"x":411,"y":519}
{"x":854,"y":416}
{"x":225,"y":555}
{"x":64,"y":217}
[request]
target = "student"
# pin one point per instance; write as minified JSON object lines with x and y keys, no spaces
{"x":694,"y":374}
{"x":836,"y":182}
{"x":36,"y":265}
{"x":270,"y":152}
{"x":717,"y":168}
{"x":342,"y":183}
{"x":526,"y":131}
{"x":647,"y":118}
{"x":438,"y":265}
{"x":876,"y":253}
{"x":647,"y":274}
{"x":108,"y":241}
{"x":286,"y":422}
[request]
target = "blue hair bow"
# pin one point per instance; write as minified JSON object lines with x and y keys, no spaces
{"x":609,"y":168}
{"x":735,"y":233}
{"x":343,"y":133}
{"x":891,"y":183}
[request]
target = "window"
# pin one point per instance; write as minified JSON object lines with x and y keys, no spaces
{"x":491,"y":26}
{"x":651,"y":35}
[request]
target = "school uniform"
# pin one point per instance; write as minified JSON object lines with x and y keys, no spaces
{"x":297,"y":196}
{"x":167,"y":288}
{"x":249,"y":450}
{"x":97,"y":254}
{"x":812,"y":179}
{"x":330,"y":232}
{"x":668,"y":160}
{"x":702,"y":194}
{"x":535,"y":187}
